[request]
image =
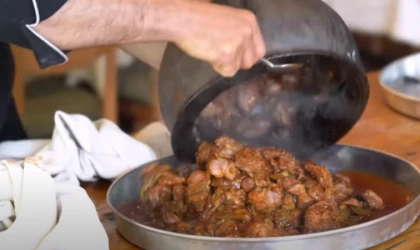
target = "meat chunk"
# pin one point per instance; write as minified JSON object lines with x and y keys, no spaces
{"x":287,"y":232}
{"x":235,"y":198}
{"x":184,"y":227}
{"x":287,"y":219}
{"x":339,"y":178}
{"x":373,"y":200}
{"x":352,"y":202}
{"x":201,"y":228}
{"x":297,"y":189}
{"x":151,"y":174}
{"x":213,"y":203}
{"x":289,"y":202}
{"x":264,"y":228}
{"x":210,"y":111}
{"x":342,"y":188}
{"x":281,"y":160}
{"x":158,"y":179}
{"x":266,"y":200}
{"x":316,"y":192}
{"x":289,"y":182}
{"x":224,"y":184}
{"x":248,"y":97}
{"x":227,"y":228}
{"x":304,"y":200}
{"x":320,"y":173}
{"x":261,"y":179}
{"x":341,"y":192}
{"x":280,"y":177}
{"x":185,"y":170}
{"x":219,"y":167}
{"x":271,"y":87}
{"x":170,"y":178}
{"x":307,"y":181}
{"x":205,"y":153}
{"x":250,"y":161}
{"x":198,"y":189}
{"x":227,"y":147}
{"x":241,"y":215}
{"x":322,"y":216}
{"x":249,"y":128}
{"x":248,"y":184}
{"x":170,"y":217}
{"x":158,"y":195}
{"x":284,"y":114}
{"x":178,"y":192}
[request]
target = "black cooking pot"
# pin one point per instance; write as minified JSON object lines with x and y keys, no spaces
{"x":330,"y":93}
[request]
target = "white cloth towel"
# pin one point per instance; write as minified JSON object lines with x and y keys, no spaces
{"x":397,"y":19}
{"x":40,"y":189}
{"x":47,"y":215}
{"x":82,"y":150}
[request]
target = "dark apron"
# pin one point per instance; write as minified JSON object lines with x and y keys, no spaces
{"x":10,"y":125}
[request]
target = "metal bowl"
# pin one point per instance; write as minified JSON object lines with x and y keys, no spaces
{"x":400,"y":81}
{"x":339,"y":157}
{"x":305,"y":32}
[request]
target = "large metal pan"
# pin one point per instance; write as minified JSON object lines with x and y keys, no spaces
{"x":400,"y":81}
{"x":339,"y":157}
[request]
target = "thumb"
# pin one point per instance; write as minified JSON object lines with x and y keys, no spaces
{"x":226,"y":70}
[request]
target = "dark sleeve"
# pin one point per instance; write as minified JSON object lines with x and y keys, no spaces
{"x":17,"y":21}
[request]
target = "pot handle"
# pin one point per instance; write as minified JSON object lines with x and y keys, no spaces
{"x":281,"y":67}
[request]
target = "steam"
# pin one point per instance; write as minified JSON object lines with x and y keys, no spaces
{"x":301,"y":111}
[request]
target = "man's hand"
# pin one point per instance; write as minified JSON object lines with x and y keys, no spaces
{"x":228,"y":38}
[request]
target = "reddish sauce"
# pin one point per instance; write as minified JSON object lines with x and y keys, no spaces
{"x":395,"y":196}
{"x":137,"y":211}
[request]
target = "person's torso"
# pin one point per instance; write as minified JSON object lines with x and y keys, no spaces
{"x":6,"y":73}
{"x":10,"y":125}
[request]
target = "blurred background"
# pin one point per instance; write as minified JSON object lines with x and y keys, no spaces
{"x":109,"y":82}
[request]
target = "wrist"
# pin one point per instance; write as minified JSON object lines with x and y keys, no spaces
{"x":166,"y":20}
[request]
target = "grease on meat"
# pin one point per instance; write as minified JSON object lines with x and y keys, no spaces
{"x":238,"y":191}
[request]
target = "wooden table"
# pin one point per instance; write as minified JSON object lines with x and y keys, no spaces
{"x":379,"y":128}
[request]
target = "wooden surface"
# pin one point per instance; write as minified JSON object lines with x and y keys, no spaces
{"x":379,"y":128}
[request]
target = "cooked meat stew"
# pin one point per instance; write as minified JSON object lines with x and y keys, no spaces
{"x":275,"y":107}
{"x":238,"y":191}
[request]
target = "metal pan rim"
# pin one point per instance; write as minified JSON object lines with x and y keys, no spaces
{"x":401,"y":211}
{"x":384,"y":82}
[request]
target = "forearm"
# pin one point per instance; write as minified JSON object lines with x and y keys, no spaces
{"x":86,"y":23}
{"x":228,"y":38}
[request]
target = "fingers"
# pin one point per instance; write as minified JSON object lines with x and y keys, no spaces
{"x":259,"y":43}
{"x":225,"y":70}
{"x":230,"y":59}
{"x":230,"y":42}
{"x":245,"y":51}
{"x":256,"y":45}
{"x":249,"y":55}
